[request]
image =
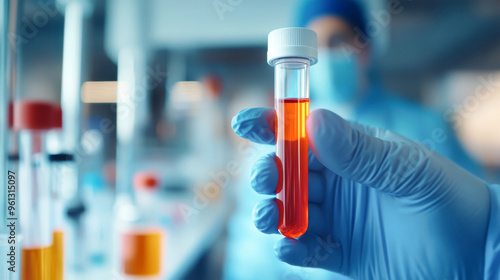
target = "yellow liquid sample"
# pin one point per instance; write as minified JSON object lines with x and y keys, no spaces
{"x":36,"y":263}
{"x":58,"y":254}
{"x":142,"y":252}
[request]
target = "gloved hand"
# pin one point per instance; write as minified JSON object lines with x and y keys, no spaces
{"x":380,"y":205}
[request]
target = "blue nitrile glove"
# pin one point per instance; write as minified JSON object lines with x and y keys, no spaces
{"x":380,"y":205}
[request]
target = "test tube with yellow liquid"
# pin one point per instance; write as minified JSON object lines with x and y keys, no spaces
{"x":33,"y":119}
{"x":141,"y":241}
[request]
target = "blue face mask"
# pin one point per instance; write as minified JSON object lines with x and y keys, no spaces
{"x":335,"y":78}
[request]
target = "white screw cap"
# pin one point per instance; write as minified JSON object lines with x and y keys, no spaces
{"x":292,"y":42}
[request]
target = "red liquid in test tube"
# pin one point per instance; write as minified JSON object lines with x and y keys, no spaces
{"x":292,"y":162}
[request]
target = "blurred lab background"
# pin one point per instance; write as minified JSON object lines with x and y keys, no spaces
{"x":152,"y":86}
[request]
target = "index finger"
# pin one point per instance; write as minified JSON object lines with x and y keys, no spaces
{"x":255,"y":124}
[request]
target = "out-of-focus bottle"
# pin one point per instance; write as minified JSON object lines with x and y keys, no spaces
{"x":141,"y":238}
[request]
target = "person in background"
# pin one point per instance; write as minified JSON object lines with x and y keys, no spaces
{"x":344,"y":81}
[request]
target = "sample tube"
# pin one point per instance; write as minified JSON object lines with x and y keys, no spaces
{"x":292,"y":51}
{"x":33,"y":119}
{"x":99,"y":200}
{"x":60,"y":164}
{"x":142,"y":241}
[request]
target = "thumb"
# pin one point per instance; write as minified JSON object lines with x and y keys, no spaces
{"x":370,"y":156}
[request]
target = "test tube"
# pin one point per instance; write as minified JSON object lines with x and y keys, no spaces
{"x":142,"y":241}
{"x":60,"y":164}
{"x":33,"y":119}
{"x":292,"y":51}
{"x":99,"y":200}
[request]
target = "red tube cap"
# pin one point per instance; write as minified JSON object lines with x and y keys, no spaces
{"x":33,"y":114}
{"x":144,"y":180}
{"x":57,"y":117}
{"x":10,"y":116}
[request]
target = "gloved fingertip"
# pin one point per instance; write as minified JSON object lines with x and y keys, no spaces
{"x":264,"y":175}
{"x":236,"y":121}
{"x":265,"y":216}
{"x":254,"y":124}
{"x":322,"y":123}
{"x":291,"y":251}
{"x":271,"y":119}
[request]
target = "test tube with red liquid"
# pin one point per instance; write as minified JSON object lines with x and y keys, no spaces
{"x":33,"y":119}
{"x":292,"y":51}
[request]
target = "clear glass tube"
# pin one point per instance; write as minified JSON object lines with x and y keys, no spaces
{"x":61,"y":165}
{"x":98,"y":199}
{"x":291,"y":104}
{"x":35,"y":206}
{"x":56,"y":170}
